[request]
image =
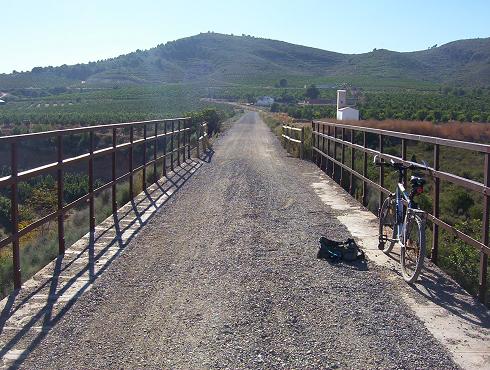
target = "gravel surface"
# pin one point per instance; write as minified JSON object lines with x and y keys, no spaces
{"x":226,"y":276}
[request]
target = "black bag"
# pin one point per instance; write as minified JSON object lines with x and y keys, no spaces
{"x":334,"y":250}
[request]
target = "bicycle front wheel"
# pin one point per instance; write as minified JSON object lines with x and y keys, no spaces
{"x":413,"y":251}
{"x":387,"y":221}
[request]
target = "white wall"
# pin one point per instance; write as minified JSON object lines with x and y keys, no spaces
{"x":348,"y":114}
{"x":341,"y":98}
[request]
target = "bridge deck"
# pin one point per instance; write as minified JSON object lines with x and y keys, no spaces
{"x":225,"y":275}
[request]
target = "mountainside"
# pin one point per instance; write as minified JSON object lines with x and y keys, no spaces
{"x":216,"y":58}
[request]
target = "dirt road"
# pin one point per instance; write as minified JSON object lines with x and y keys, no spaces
{"x":226,"y":276}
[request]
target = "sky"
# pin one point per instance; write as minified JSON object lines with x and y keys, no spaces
{"x":48,"y":32}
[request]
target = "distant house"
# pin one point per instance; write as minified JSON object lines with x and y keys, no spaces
{"x":2,"y":102}
{"x":265,"y":101}
{"x":347,"y":114}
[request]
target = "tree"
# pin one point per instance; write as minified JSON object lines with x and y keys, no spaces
{"x":211,"y":116}
{"x":312,"y":92}
{"x":283,"y":82}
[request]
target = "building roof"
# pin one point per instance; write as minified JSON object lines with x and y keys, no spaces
{"x":2,"y":101}
{"x":346,"y":108}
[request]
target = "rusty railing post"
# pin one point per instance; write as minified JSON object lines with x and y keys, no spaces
{"x":164,"y":164}
{"x":302,"y":145}
{"x":155,"y":151}
{"x":381,"y":181}
{"x":14,"y":216}
{"x":198,"y":139}
{"x":184,"y":140}
{"x":61,"y":228}
{"x":364,"y":170}
{"x":313,"y":138}
{"x":334,"y":154}
{"x":435,"y":208}
{"x":91,"y":182}
{"x":342,"y":156}
{"x":329,"y":161}
{"x":404,"y":157}
{"x":172,"y":146}
{"x":178,"y":142}
{"x":144,"y":156}
{"x":324,"y":159}
{"x":189,"y":132}
{"x":287,"y":140}
{"x":351,"y":174}
{"x":485,"y":240}
{"x":131,"y":140}
{"x":113,"y":165}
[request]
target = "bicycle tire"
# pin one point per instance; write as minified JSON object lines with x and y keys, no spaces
{"x":387,"y":219}
{"x":412,"y":254}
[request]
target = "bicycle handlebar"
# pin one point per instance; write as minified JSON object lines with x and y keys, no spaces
{"x":398,"y":166}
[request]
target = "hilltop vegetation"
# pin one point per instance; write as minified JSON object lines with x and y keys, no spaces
{"x":216,"y":58}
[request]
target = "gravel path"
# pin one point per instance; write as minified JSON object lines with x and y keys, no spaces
{"x":226,"y":276}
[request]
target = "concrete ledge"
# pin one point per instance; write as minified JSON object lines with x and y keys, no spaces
{"x":27,"y":315}
{"x":454,"y":317}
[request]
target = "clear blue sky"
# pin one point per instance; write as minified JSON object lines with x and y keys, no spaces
{"x":55,"y":32}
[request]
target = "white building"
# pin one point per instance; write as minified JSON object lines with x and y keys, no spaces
{"x":341,"y":99}
{"x":347,"y":114}
{"x":2,"y":102}
{"x":265,"y":101}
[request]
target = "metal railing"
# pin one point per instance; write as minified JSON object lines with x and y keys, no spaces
{"x":331,"y":140}
{"x":174,"y":133}
{"x":202,"y":137}
{"x":288,"y":132}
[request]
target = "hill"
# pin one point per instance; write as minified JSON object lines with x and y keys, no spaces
{"x":220,"y":59}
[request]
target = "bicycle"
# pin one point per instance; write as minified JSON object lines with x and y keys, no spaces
{"x":404,"y":225}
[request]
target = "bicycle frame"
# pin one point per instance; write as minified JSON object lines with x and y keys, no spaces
{"x":401,"y":219}
{"x":400,"y":195}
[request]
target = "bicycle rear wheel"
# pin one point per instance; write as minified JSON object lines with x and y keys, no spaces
{"x":387,"y":220}
{"x":413,"y":251}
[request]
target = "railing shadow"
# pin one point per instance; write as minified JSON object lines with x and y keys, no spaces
{"x":436,"y":287}
{"x":207,"y":155}
{"x":439,"y":289}
{"x":67,"y":281}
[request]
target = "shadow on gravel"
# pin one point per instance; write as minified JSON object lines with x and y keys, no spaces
{"x":29,"y":314}
{"x":360,"y":265}
{"x":208,"y":155}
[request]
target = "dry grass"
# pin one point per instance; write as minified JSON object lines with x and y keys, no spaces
{"x":474,"y":132}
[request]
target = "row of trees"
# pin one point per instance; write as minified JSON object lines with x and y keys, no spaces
{"x":443,"y":106}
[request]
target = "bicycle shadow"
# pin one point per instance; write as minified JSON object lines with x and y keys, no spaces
{"x":29,"y":314}
{"x":440,"y":289}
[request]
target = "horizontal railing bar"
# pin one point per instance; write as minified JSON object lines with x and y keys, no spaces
{"x":290,"y":139}
{"x":483,"y":148}
{"x":466,"y":238}
{"x":457,"y":180}
{"x":80,"y":130}
{"x":291,"y":128}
